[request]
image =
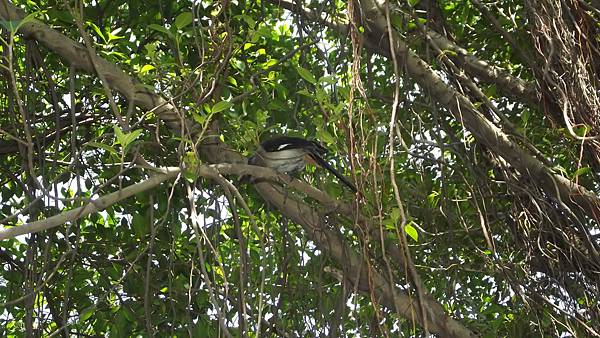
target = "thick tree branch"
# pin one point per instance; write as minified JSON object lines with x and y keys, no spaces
{"x":509,"y":85}
{"x":357,"y":271}
{"x":566,"y":192}
{"x":77,"y":55}
{"x":93,"y":206}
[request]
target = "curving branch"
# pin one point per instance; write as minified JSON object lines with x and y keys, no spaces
{"x":77,"y":56}
{"x":567,"y":193}
{"x":358,"y":271}
{"x":564,"y":191}
{"x":511,"y":86}
{"x":91,"y":207}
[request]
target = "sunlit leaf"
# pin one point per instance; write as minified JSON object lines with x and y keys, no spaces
{"x":146,"y":69}
{"x":98,"y":31}
{"x":412,"y":232}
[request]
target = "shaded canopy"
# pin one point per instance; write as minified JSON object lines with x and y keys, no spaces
{"x":470,"y":130}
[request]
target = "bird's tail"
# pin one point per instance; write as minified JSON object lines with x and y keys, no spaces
{"x":328,"y":166}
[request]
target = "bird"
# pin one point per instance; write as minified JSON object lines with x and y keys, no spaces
{"x":289,"y":155}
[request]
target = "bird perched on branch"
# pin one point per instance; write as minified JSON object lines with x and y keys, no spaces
{"x":288,"y":154}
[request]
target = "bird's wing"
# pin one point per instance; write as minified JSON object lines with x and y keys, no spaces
{"x":279,"y":143}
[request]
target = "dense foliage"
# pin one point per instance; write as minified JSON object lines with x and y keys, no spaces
{"x":469,"y":128}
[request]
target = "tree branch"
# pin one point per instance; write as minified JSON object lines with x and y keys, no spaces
{"x":93,"y":206}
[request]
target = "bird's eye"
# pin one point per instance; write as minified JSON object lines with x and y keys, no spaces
{"x":283,"y":146}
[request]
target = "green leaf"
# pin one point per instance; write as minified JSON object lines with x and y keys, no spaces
{"x":269,"y":64}
{"x":199,"y":118}
{"x":119,"y":135}
{"x":125,"y":139}
{"x":161,"y":29}
{"x":321,"y":95}
{"x":325,"y":136}
{"x":146,"y":69}
{"x":14,"y":25}
{"x":329,"y":79}
{"x":525,"y":115}
{"x":582,"y":130}
{"x":306,"y":75}
{"x":561,"y":169}
{"x":276,"y":104}
{"x":581,"y":171}
{"x":412,"y":232}
{"x":151,"y":48}
{"x":86,"y":314}
{"x":249,"y":20}
{"x":98,"y":31}
{"x":395,"y":214}
{"x":433,"y":198}
{"x":191,"y":160}
{"x":232,"y":81}
{"x":220,"y":106}
{"x":397,"y":22}
{"x":103,"y":146}
{"x":184,"y":19}
{"x":64,"y":16}
{"x":140,"y":224}
{"x":305,"y":93}
{"x":113,"y":35}
{"x":130,"y":137}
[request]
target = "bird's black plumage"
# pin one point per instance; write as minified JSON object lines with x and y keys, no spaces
{"x":279,"y":143}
